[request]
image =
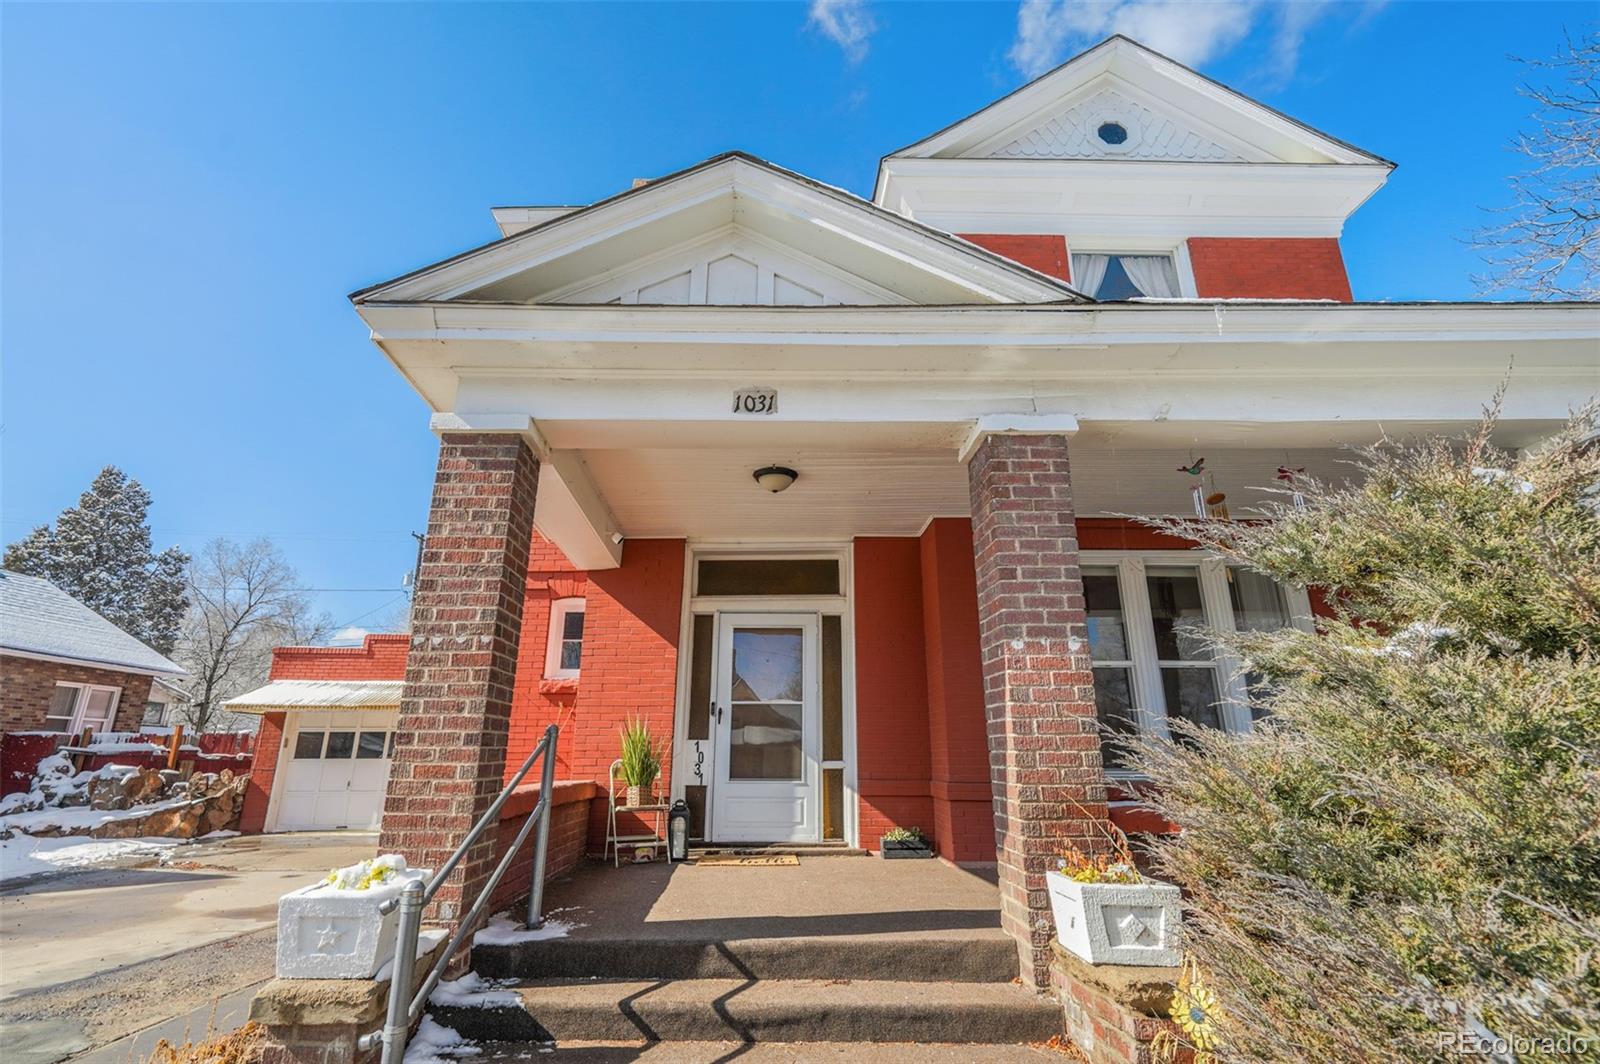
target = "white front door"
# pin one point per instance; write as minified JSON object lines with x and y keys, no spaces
{"x":335,"y":769}
{"x":766,"y":728}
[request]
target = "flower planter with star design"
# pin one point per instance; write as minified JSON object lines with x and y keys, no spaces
{"x":326,"y":931}
{"x":1117,"y":923}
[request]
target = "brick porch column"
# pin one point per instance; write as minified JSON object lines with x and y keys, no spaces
{"x":1044,"y":745}
{"x":466,"y":617}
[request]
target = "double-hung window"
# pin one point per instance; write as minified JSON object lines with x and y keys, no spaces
{"x":1147,"y":616}
{"x":76,"y":706}
{"x":564,"y":652}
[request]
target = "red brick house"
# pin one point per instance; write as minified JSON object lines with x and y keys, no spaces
{"x":827,"y":490}
{"x":64,"y":668}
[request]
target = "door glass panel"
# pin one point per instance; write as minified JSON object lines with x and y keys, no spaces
{"x":767,"y":665}
{"x":308,"y":744}
{"x":1191,"y":695}
{"x":765,"y":743}
{"x":1113,"y":707}
{"x":1177,"y":610}
{"x":370,"y":745}
{"x":341,"y":744}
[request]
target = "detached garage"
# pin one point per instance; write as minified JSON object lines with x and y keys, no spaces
{"x":323,"y":757}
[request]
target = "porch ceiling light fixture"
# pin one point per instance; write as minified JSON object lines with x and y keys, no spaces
{"x":775,"y":478}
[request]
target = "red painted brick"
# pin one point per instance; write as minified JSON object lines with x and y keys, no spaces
{"x":1269,"y":268}
{"x":1045,"y":252}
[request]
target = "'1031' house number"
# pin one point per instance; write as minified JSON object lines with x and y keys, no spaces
{"x":755,"y":401}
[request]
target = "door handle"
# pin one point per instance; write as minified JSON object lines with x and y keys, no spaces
{"x":716,"y":711}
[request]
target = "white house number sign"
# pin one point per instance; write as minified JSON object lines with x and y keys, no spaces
{"x":755,"y":401}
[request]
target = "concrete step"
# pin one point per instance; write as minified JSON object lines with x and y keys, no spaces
{"x":786,"y":1010}
{"x":979,"y":956}
{"x":768,"y":1053}
{"x":769,"y":849}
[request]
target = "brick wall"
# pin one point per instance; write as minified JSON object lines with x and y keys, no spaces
{"x":1269,"y":268}
{"x":379,"y":657}
{"x":1112,"y":1012}
{"x":27,"y":683}
{"x":569,"y":838}
{"x":629,"y":668}
{"x":258,"y":792}
{"x":1045,"y":252}
{"x":892,"y":757}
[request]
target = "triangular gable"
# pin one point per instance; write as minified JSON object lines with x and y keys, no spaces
{"x":733,"y":230}
{"x":1166,"y":111}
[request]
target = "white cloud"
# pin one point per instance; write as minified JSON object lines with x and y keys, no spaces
{"x":1190,"y":31}
{"x":846,"y":23}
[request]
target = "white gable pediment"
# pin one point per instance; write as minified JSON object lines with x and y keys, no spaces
{"x":1176,"y":113}
{"x":1147,"y":132}
{"x":731,"y":267}
{"x":733,"y":231}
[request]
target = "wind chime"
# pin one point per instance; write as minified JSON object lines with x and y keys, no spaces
{"x":1214,"y":504}
{"x":1290,"y":475}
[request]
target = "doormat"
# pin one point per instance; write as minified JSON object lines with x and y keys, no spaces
{"x":765,"y":860}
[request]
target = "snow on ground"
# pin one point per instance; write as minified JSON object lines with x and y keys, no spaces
{"x":78,"y":817}
{"x":473,"y":991}
{"x":434,"y":1043}
{"x":28,"y":855}
{"x":502,"y":930}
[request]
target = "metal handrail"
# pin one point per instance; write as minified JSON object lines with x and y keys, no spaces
{"x":415,"y":896}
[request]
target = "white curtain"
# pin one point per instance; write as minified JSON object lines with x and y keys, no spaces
{"x":1088,"y":271}
{"x":1152,"y":275}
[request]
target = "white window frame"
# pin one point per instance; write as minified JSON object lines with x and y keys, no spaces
{"x":1178,"y":252}
{"x":1148,"y":693}
{"x":560,"y":609}
{"x":81,"y":704}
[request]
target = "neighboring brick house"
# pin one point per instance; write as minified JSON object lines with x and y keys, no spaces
{"x":64,"y":668}
{"x":827,"y":490}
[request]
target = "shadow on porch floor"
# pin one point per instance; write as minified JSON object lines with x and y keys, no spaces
{"x":819,"y":896}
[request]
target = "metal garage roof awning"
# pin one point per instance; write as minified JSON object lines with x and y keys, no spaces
{"x":320,"y":694}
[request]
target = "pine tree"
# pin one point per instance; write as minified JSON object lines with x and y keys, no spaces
{"x":1402,"y":863}
{"x":99,"y":552}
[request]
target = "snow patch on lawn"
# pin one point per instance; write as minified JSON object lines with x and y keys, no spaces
{"x":79,"y":817}
{"x":473,"y":991}
{"x":434,"y":1043}
{"x":502,"y":930}
{"x":27,"y":855}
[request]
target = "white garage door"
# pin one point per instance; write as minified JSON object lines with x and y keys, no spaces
{"x":335,"y":769}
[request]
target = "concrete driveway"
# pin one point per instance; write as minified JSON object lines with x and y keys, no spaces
{"x":90,"y":957}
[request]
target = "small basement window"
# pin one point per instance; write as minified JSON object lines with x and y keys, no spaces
{"x":565,"y":651}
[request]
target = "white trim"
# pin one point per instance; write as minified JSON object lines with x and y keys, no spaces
{"x":80,"y":705}
{"x":560,"y":609}
{"x":1148,"y":692}
{"x":88,"y":663}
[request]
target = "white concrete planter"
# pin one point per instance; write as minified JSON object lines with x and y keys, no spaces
{"x":1117,"y":923}
{"x":326,"y":933}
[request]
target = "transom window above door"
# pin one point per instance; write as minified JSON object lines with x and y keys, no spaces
{"x":1147,"y":615}
{"x":1113,"y":275}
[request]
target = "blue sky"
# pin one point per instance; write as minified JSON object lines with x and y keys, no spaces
{"x":189,"y":192}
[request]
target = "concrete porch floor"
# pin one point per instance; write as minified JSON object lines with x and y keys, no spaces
{"x":819,"y":896}
{"x":826,"y":917}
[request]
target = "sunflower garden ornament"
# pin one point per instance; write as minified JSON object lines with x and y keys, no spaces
{"x":1195,"y":1013}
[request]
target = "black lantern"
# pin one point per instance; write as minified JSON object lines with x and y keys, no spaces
{"x":678,"y":831}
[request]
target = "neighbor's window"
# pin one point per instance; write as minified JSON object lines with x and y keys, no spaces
{"x":1125,"y":276}
{"x":565,"y":651}
{"x":155,"y":714}
{"x":74,"y":707}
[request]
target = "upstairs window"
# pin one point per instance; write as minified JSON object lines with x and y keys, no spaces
{"x":565,"y":650}
{"x":1116,"y":276}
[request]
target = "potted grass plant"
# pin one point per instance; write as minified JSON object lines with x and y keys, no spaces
{"x":902,"y":843}
{"x":641,"y":761}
